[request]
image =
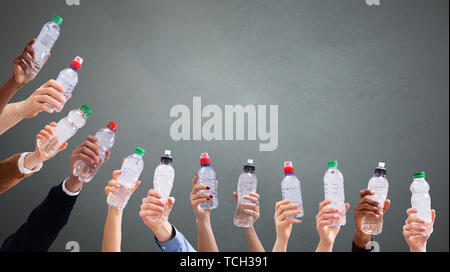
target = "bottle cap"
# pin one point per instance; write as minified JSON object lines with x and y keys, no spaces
{"x":381,"y":169}
{"x":113,"y":126}
{"x":204,"y":159}
{"x":418,"y":175}
{"x":288,"y":168}
{"x":58,"y":20}
{"x":332,"y":164}
{"x":76,"y":63}
{"x":249,"y":166}
{"x":167,"y":157}
{"x":86,"y":110}
{"x":139,"y":151}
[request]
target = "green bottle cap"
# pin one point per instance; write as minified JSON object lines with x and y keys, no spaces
{"x":419,"y":175}
{"x":139,"y":151}
{"x":58,"y":20}
{"x":332,"y":164}
{"x":86,"y":110}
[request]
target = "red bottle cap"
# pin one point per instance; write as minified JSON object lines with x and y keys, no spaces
{"x":204,"y":159}
{"x":113,"y":126}
{"x":76,"y":63}
{"x":288,"y":168}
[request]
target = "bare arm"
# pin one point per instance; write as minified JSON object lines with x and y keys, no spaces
{"x":112,"y":235}
{"x":254,"y":245}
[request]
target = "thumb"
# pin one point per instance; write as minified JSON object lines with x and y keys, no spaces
{"x":171,"y":202}
{"x":136,"y":186}
{"x":235,"y":196}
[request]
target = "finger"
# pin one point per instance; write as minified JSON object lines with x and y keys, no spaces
{"x":107,"y":154}
{"x":288,"y":213}
{"x":116,"y":174}
{"x":254,"y":195}
{"x":92,"y":139}
{"x":328,"y":210}
{"x":347,"y":206}
{"x":92,"y":146}
{"x":30,"y":50}
{"x":235,"y":196}
{"x":55,"y":94}
{"x":154,"y":193}
{"x":198,"y":187}
{"x":144,"y":214}
{"x":49,"y":130}
{"x":368,"y":207}
{"x":195,"y":180}
{"x":433,"y":215}
{"x":83,"y":157}
{"x":387,"y":204}
{"x":415,"y":219}
{"x":136,"y":186}
{"x":113,"y":183}
{"x":22,"y":65}
{"x":152,"y":207}
{"x":411,"y":211}
{"x":253,"y":213}
{"x":250,"y":206}
{"x":170,"y":202}
{"x":27,"y":58}
{"x":370,"y":201}
{"x":252,"y":199}
{"x":329,"y":216}
{"x":199,"y":201}
{"x":90,"y":153}
{"x":63,"y":146}
{"x":288,"y":207}
{"x":200,"y":195}
{"x":53,"y":124}
{"x":414,"y":227}
{"x":155,"y":201}
{"x":365,"y":192}
{"x":54,"y":84}
{"x":282,"y":202}
{"x":370,"y":214}
{"x":44,"y":134}
{"x":47,"y":108}
{"x":49,"y":100}
{"x":45,"y":61}
{"x":293,"y":221}
{"x":324,"y":203}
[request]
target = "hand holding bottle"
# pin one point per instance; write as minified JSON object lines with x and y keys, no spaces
{"x":197,"y":198}
{"x":49,"y":94}
{"x":324,"y":225}
{"x":284,"y":211}
{"x":20,"y":74}
{"x":113,"y":186}
{"x":251,"y":208}
{"x":417,"y":231}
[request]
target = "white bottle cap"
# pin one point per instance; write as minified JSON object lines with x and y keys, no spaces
{"x":79,"y":59}
{"x":250,"y":161}
{"x":167,"y":152}
{"x":381,"y":164}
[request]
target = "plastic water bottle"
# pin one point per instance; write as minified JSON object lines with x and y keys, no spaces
{"x":163,"y":183}
{"x":246,"y":185}
{"x":291,"y":189}
{"x":380,"y":185}
{"x":106,"y":137}
{"x":66,"y":128}
{"x":420,"y":198}
{"x":207,"y":176}
{"x":334,"y":190}
{"x":44,"y":43}
{"x":69,"y":78}
{"x":131,"y":170}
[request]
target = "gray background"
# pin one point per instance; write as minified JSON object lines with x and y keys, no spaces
{"x":354,"y":83}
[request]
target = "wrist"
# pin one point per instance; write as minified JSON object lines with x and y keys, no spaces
{"x":114,"y":212}
{"x":361,"y":239}
{"x":31,"y":161}
{"x":203,"y":220}
{"x":12,"y":83}
{"x":73,"y":184}
{"x":325,"y":246}
{"x":418,"y":249}
{"x":163,"y":231}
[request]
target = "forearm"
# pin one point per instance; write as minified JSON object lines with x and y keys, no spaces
{"x":7,"y":91}
{"x":163,"y":232}
{"x":10,"y":174}
{"x":31,"y":161}
{"x":112,"y":235}
{"x":254,"y":245}
{"x":324,"y":247}
{"x":361,"y":239}
{"x":280,"y":245}
{"x":11,"y":115}
{"x":206,"y":240}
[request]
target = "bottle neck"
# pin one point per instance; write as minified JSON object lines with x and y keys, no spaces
{"x":289,"y":174}
{"x":205,"y":165}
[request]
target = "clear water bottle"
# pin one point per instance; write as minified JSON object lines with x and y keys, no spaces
{"x":106,"y":137}
{"x":246,"y":185}
{"x":334,"y":190}
{"x":420,"y":198}
{"x":291,"y":189}
{"x":69,"y":78}
{"x":207,"y":176}
{"x":44,"y":43}
{"x":66,"y":128}
{"x":131,"y":170}
{"x":380,"y":185}
{"x":163,"y":183}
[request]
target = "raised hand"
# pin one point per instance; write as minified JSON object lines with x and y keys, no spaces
{"x":252,"y":208}
{"x":324,"y":219}
{"x":283,"y":223}
{"x":197,"y":198}
{"x":416,"y":231}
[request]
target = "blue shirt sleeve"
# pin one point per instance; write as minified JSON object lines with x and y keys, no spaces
{"x":177,"y":244}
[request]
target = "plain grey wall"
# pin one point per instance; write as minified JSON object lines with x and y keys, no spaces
{"x":354,"y":83}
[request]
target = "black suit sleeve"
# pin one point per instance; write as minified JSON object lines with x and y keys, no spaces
{"x":43,"y":224}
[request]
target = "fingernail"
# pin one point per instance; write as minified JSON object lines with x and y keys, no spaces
{"x":211,"y":196}
{"x":207,"y":188}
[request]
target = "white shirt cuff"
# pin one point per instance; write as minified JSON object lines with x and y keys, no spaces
{"x":67,"y":191}
{"x":22,"y":168}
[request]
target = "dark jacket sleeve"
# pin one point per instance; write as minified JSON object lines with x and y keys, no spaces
{"x":43,"y":224}
{"x":355,"y":248}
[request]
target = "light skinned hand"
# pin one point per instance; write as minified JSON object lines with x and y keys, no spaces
{"x":153,"y":206}
{"x":417,"y":231}
{"x":325,"y":218}
{"x":113,"y":186}
{"x":197,"y":198}
{"x":283,"y":224}
{"x":252,"y":208}
{"x":20,"y":74}
{"x":50,"y":93}
{"x":47,"y":133}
